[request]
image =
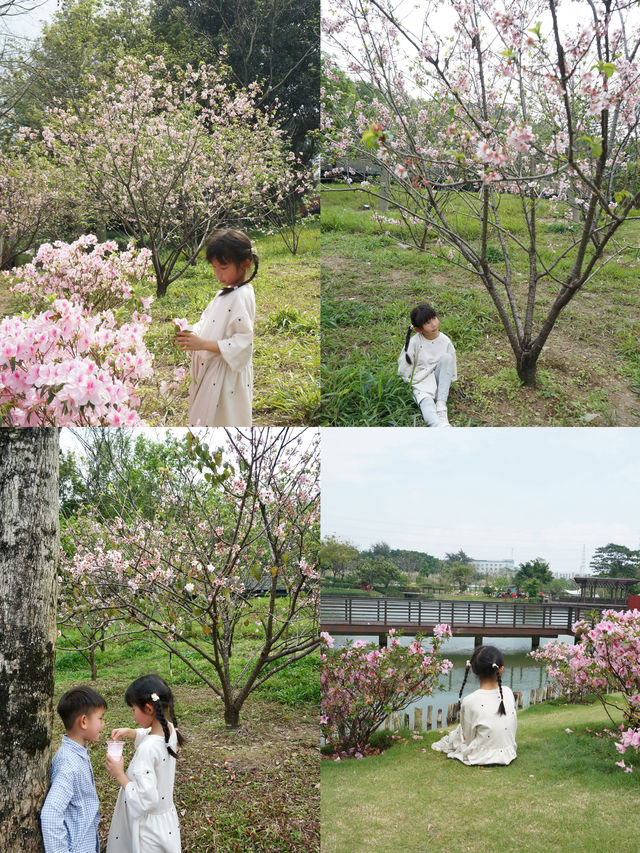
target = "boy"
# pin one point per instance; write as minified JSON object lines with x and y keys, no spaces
{"x":70,"y":813}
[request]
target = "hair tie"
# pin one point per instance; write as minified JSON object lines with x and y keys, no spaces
{"x":155,"y":697}
{"x":468,"y":663}
{"x":495,"y":666}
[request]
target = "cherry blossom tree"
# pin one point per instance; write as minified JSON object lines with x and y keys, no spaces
{"x":30,"y":200}
{"x":480,"y":133}
{"x":169,"y":154}
{"x":230,"y":555}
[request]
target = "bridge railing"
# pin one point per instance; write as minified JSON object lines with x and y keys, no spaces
{"x":358,"y":611}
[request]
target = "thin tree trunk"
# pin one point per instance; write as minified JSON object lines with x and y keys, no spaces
{"x":231,"y":717}
{"x":29,"y":541}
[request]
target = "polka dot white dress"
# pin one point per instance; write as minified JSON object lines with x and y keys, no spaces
{"x":222,"y":384}
{"x":145,"y":819}
{"x":483,"y":736}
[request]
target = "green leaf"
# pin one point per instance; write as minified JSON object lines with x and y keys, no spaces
{"x":536,"y":30}
{"x":606,"y":68}
{"x":594,"y":144}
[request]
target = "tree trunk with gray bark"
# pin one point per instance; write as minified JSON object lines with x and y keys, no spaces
{"x":29,"y":542}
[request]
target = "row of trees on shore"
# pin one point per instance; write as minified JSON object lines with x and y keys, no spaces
{"x":382,"y":567}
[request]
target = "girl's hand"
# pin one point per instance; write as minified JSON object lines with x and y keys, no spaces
{"x":191,"y":341}
{"x":188,"y":341}
{"x":118,"y":734}
{"x":115,"y":766}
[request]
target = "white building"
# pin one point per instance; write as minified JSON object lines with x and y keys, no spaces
{"x":493,"y":567}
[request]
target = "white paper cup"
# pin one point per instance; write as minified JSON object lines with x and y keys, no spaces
{"x":114,"y":748}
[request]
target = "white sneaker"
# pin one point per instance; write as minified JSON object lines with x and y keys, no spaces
{"x":441,"y":410}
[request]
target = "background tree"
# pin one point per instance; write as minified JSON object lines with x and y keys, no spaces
{"x":416,"y":562}
{"x":457,"y":574}
{"x":273,"y":42}
{"x":337,"y":557}
{"x":483,"y":135}
{"x":28,"y":566}
{"x":83,"y":39}
{"x":616,"y":561}
{"x":378,"y":571}
{"x":457,"y":557}
{"x":533,"y":575}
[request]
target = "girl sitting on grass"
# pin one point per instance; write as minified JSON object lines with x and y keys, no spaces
{"x":487,"y":730}
{"x":222,"y":341}
{"x":428,"y":364}
{"x":145,"y":819}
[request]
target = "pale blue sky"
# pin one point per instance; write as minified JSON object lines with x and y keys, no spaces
{"x":540,"y":492}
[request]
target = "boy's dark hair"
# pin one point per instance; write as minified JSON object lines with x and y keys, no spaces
{"x":230,"y":246}
{"x":78,"y":701}
{"x":141,"y":691}
{"x":420,"y":315}
{"x":485,"y":663}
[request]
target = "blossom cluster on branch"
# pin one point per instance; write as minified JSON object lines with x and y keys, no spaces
{"x":362,"y":684}
{"x":605,"y":661}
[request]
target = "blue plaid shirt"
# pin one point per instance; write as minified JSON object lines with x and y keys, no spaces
{"x":71,"y":813}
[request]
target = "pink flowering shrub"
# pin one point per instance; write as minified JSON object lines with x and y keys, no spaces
{"x":98,"y":275}
{"x":362,"y":684}
{"x":65,"y":366}
{"x":606,"y":661}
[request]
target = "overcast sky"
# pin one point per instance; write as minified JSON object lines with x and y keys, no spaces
{"x":29,"y":24}
{"x":492,"y":492}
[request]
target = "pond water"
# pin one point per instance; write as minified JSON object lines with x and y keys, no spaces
{"x":520,"y":671}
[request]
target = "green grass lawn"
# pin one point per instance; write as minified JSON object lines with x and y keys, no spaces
{"x":286,"y":358}
{"x":563,"y":794}
{"x":253,"y":789}
{"x":588,"y":373}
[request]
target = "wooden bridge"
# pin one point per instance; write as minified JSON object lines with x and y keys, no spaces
{"x":361,"y":615}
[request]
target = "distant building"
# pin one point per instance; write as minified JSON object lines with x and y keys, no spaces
{"x":493,"y":567}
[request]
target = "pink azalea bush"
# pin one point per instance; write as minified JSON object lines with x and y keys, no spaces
{"x":66,"y":366}
{"x":362,"y":684}
{"x":605,"y":661}
{"x":98,"y":275}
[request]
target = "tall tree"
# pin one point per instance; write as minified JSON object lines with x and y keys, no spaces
{"x":616,"y":561}
{"x":28,"y":570}
{"x":273,"y":42}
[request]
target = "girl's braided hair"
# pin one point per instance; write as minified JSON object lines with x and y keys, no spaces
{"x":420,"y":315}
{"x":485,"y":663}
{"x":153,"y":690}
{"x":230,"y":246}
{"x":456,"y":707}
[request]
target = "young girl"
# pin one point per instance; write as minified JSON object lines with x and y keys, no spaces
{"x":428,"y":363}
{"x":222,"y":340}
{"x":487,"y":730}
{"x":145,"y":819}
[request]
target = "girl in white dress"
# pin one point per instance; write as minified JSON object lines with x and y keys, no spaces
{"x":145,"y":819}
{"x":221,"y":342}
{"x":487,"y":730}
{"x":428,"y":364}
